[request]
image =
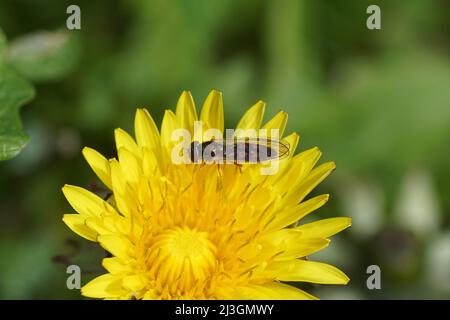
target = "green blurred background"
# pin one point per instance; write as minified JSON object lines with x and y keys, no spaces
{"x":377,"y":102}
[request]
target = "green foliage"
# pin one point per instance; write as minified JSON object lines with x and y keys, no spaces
{"x":14,"y":92}
{"x":37,"y":57}
{"x":43,"y":56}
{"x":2,"y":45}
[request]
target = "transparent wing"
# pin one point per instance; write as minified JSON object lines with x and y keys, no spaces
{"x":280,"y":148}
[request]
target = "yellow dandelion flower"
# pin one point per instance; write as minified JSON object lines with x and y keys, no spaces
{"x":198,"y":231}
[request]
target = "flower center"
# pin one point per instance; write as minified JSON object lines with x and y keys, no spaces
{"x":180,"y":258}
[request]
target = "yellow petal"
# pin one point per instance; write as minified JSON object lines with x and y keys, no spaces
{"x":115,"y":265}
{"x":104,"y":286}
{"x":293,"y":244}
{"x":292,"y":140}
{"x":308,"y":271}
{"x":117,"y":178}
{"x":119,"y":246}
{"x":86,"y":202}
{"x":151,"y":295}
{"x":120,"y":186}
{"x":186,"y":112}
{"x":169,"y":124}
{"x":130,"y":166}
{"x":303,"y":163}
{"x":99,"y":225}
{"x":124,"y":140}
{"x":303,"y":248}
{"x":272,"y":291}
{"x":145,"y":130}
{"x":212,"y":111}
{"x":325,"y":228}
{"x":316,"y":176}
{"x":151,"y":162}
{"x":297,"y":169}
{"x":99,"y":164}
{"x":278,"y":122}
{"x":135,"y":282}
{"x":294,"y":214}
{"x":252,"y":117}
{"x":77,"y":224}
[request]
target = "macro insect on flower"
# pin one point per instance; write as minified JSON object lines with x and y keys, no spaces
{"x":238,"y":150}
{"x":199,"y":231}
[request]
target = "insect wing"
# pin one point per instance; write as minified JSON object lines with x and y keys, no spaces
{"x":267,"y":149}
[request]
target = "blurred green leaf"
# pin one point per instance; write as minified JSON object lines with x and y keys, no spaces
{"x":29,"y":257}
{"x":14,"y":92}
{"x":43,"y":55}
{"x":2,"y":45}
{"x":402,"y":110}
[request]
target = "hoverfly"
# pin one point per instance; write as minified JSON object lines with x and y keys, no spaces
{"x":238,"y":150}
